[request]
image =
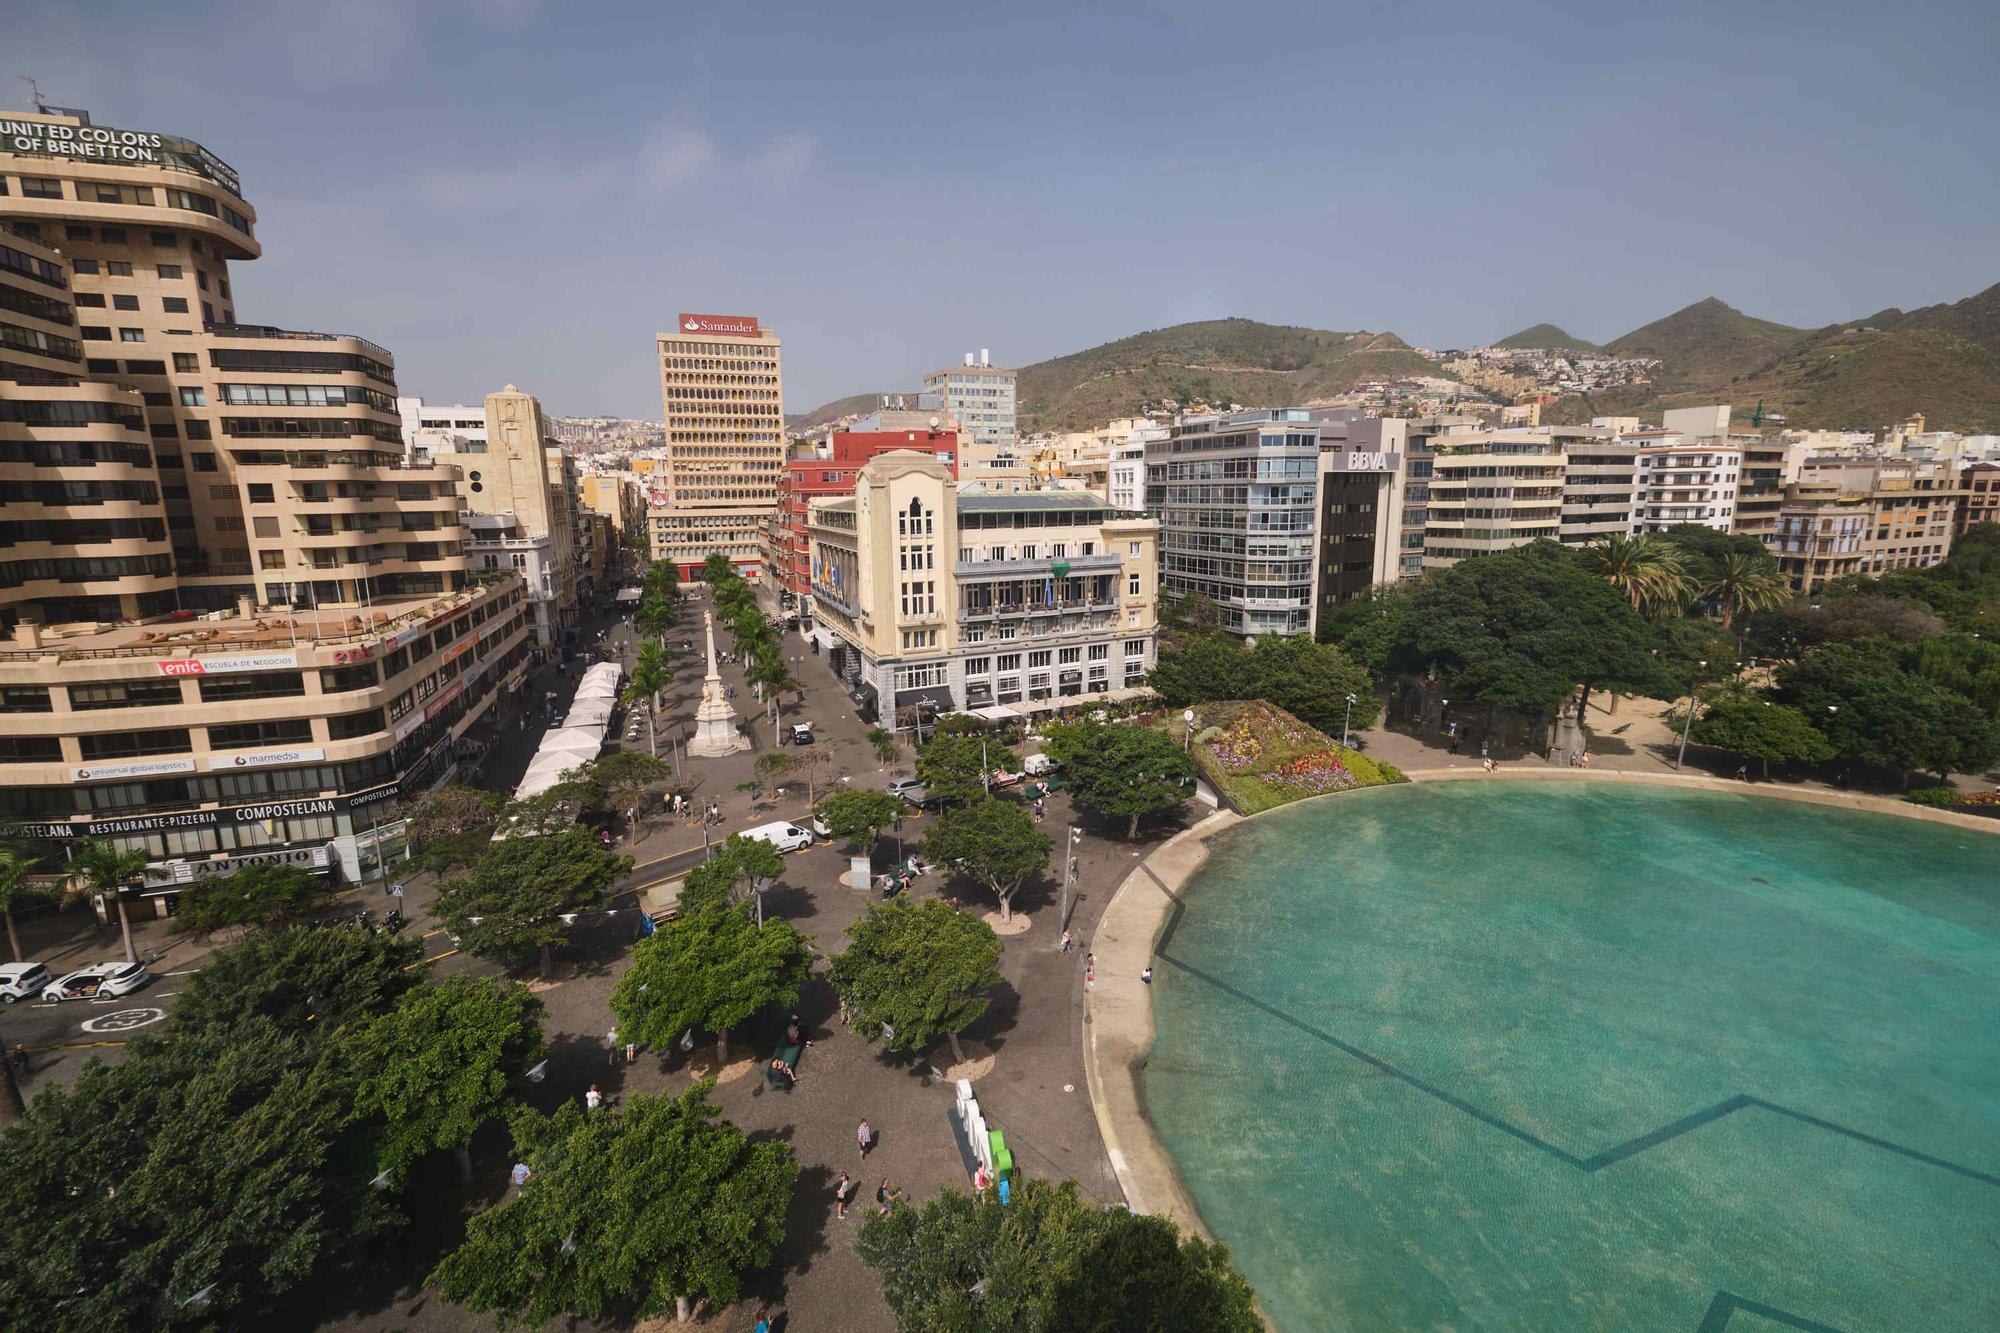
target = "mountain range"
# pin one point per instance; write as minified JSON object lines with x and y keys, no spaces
{"x":1941,"y":360}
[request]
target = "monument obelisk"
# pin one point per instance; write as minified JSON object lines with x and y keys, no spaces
{"x":715,"y":732}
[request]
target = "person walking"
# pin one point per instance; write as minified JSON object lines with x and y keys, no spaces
{"x":886,"y":1194}
{"x":864,"y":1136}
{"x":611,"y":1038}
{"x":843,"y":1194}
{"x":1066,"y":940}
{"x":592,"y":1099}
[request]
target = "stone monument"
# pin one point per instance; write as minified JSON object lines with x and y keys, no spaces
{"x":715,"y":732}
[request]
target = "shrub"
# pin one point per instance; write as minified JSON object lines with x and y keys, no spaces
{"x":1937,"y":796}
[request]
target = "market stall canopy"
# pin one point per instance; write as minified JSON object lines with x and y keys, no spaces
{"x":588,"y":714}
{"x":629,"y":595}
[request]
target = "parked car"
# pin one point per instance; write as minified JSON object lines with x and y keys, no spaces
{"x":21,"y":981}
{"x":101,"y":979}
{"x":785,"y":837}
{"x":802,"y":733}
{"x":904,"y":786}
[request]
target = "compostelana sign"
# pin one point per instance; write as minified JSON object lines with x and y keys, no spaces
{"x":722,"y":326}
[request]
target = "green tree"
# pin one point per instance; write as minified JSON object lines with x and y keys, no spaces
{"x":1051,"y":1260}
{"x":649,"y":676}
{"x":994,"y":842}
{"x":1965,"y":664}
{"x":1759,"y":729}
{"x":1124,"y":771}
{"x":450,"y":826}
{"x":1744,"y":583}
{"x":1874,"y":712}
{"x":887,"y":747}
{"x":1312,"y":681}
{"x":14,"y":871}
{"x":1202,"y":668}
{"x":955,"y":767}
{"x":1521,"y":629}
{"x":199,"y":1181}
{"x":511,"y":904}
{"x":716,"y":571}
{"x":257,"y":895}
{"x":1645,"y":570}
{"x":437,"y":1067}
{"x":858,"y":815}
{"x":106,"y":869}
{"x":300,"y":980}
{"x":920,"y":971}
{"x":626,"y":776}
{"x":629,"y":1212}
{"x":709,"y":969}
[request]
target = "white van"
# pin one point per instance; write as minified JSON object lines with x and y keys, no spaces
{"x":21,"y":981}
{"x":1037,"y":764}
{"x":784,"y":837}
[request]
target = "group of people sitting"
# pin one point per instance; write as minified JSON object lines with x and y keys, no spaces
{"x":895,"y":881}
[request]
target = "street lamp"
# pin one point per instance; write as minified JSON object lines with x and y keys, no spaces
{"x":1069,"y":873}
{"x":1187,"y":729}
{"x":1345,"y":720}
{"x":1688,"y":725}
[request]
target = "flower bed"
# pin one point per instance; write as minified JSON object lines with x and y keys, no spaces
{"x":1257,"y":756}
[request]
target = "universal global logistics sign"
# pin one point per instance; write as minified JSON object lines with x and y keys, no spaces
{"x":101,"y":143}
{"x":725,"y":326}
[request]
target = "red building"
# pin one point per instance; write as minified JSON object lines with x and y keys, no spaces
{"x":805,"y":478}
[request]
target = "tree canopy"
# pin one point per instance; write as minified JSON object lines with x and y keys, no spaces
{"x":917,"y":971}
{"x":993,"y":841}
{"x":450,"y":826}
{"x":708,"y":970}
{"x":262,"y":894}
{"x":1309,"y":680}
{"x":437,"y":1066}
{"x":859,"y":814}
{"x":1051,"y":1260}
{"x":510,"y":904}
{"x":1875,"y":712}
{"x":1121,"y":770}
{"x":629,"y":1212}
{"x":954,"y":766}
{"x":1756,"y":728}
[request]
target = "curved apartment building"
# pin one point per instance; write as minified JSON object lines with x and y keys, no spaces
{"x":237,"y":625}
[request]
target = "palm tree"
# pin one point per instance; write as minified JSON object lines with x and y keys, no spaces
{"x":14,"y":870}
{"x":771,"y":675}
{"x":648,"y":678}
{"x":1742,"y":582}
{"x":1645,"y":569}
{"x":105,"y":868}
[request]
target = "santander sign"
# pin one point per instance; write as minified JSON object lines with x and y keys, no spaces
{"x":725,"y":326}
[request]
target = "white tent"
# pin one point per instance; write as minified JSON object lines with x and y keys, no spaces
{"x":586,"y":714}
{"x":601,"y":688}
{"x":545,"y":772}
{"x":580,"y":745}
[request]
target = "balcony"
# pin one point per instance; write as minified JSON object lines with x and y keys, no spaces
{"x":1078,"y":564}
{"x":267,"y":331}
{"x":1010,"y":610}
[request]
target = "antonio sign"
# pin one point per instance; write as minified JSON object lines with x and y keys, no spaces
{"x":723,"y":326}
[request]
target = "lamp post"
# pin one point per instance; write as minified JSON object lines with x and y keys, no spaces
{"x":1069,"y":873}
{"x":1349,"y":717}
{"x":1688,"y":724}
{"x":1187,"y":730}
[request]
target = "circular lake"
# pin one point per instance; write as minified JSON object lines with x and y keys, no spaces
{"x":1521,"y":1055}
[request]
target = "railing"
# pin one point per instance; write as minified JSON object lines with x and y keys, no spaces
{"x":270,"y":331}
{"x":991,"y":612}
{"x":1078,"y":564}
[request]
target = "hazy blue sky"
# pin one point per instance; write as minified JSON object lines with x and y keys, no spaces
{"x":516,"y":190}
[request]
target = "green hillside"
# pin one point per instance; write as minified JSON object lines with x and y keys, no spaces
{"x":800,"y":423}
{"x":1708,"y":345}
{"x":1215,"y":361}
{"x":1975,"y":319}
{"x":1546,"y":336}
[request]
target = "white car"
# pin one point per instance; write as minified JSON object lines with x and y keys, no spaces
{"x":20,"y":981}
{"x":784,"y":837}
{"x":102,"y":980}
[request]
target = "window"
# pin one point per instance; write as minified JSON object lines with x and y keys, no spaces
{"x":1135,"y":647}
{"x":1069,"y":656}
{"x":78,"y":233}
{"x":90,"y":300}
{"x":25,"y":699}
{"x":198,"y":430}
{"x":260,"y":492}
{"x":1100,"y":652}
{"x":124,"y":744}
{"x":84,"y":265}
{"x":30,"y":750}
{"x":244,"y":735}
{"x":191,"y":397}
{"x":347,"y":726}
{"x":203,"y":462}
{"x":117,"y":268}
{"x":168,"y":270}
{"x":97,"y":367}
{"x":131,"y":335}
{"x":95,"y":333}
{"x":1040,"y":657}
{"x":201,"y":279}
{"x":1132,"y":585}
{"x":270,"y":559}
{"x":166,"y":240}
{"x":41,"y":187}
{"x":174,"y":305}
{"x":186,"y":363}
{"x":125,"y":694}
{"x":978,"y":666}
{"x":1010,"y":661}
{"x":124,"y":303}
{"x":145,"y":367}
{"x":252,"y":685}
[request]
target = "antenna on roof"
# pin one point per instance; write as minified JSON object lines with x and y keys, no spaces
{"x":35,"y":92}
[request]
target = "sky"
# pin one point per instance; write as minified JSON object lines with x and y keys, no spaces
{"x":520,"y":191}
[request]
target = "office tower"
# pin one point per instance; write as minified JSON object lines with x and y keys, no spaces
{"x":722,"y":383}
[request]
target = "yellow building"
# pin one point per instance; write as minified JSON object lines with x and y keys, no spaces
{"x":928,"y":596}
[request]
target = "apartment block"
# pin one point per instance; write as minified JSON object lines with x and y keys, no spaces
{"x":1980,"y":483}
{"x":1235,"y":498}
{"x":241,"y":624}
{"x":981,"y":396}
{"x":830,"y":471}
{"x":722,"y":383}
{"x":1865,"y":516}
{"x":1600,"y":478}
{"x":928,"y":597}
{"x":1492,"y":491}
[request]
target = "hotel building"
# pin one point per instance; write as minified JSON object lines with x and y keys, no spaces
{"x":239,"y":626}
{"x":928,"y":597}
{"x":722,"y":382}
